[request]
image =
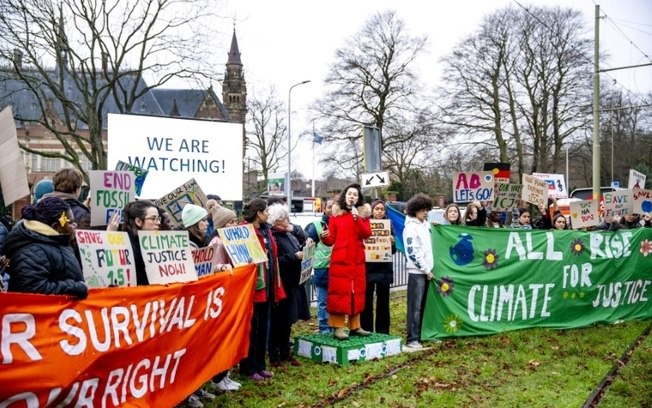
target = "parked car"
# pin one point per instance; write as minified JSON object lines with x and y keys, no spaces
{"x":586,"y":193}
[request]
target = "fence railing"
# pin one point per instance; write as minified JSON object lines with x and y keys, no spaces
{"x":400,"y":276}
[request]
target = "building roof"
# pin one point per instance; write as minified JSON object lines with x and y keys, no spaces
{"x":155,"y":102}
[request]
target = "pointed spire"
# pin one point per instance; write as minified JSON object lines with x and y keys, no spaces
{"x":234,"y":53}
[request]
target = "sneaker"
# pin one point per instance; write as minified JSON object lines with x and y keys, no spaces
{"x":194,"y":402}
{"x":224,"y":385}
{"x":256,"y":377}
{"x":201,"y":393}
{"x":266,"y":374}
{"x":232,"y":383}
{"x":414,"y":345}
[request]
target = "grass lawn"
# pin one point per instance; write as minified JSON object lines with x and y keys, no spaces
{"x":526,"y":368}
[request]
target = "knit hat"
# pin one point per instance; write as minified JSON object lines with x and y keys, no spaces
{"x":42,"y":188}
{"x":192,"y":214}
{"x":222,"y":215}
{"x":375,"y":202}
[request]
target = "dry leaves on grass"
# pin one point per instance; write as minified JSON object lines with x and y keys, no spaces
{"x":534,"y":363}
{"x":432,"y":382}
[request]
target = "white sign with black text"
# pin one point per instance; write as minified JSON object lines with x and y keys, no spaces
{"x":377,"y":179}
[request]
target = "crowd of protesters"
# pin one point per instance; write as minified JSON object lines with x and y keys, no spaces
{"x":39,"y":255}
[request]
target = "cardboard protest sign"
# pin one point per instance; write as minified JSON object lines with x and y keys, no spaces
{"x":556,"y":184}
{"x":506,"y":196}
{"x":378,"y":247}
{"x":167,"y":256}
{"x":107,"y":258}
{"x":617,"y":203}
{"x":242,"y":245}
{"x":641,"y":201}
{"x":144,"y":346}
{"x":307,"y":262}
{"x":13,"y":174}
{"x":175,"y":200}
{"x":534,"y":190}
{"x":111,"y":192}
{"x":473,"y":186}
{"x":205,"y":259}
{"x":140,"y":174}
{"x":584,"y":213}
{"x":636,"y":179}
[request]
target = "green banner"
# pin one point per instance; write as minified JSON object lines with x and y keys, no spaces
{"x":490,"y":280}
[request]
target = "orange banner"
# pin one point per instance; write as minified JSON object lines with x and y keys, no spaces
{"x":148,"y":346}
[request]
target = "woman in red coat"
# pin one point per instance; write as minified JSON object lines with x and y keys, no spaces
{"x":347,"y":228}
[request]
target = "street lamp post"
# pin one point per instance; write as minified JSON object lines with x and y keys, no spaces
{"x":288,"y":187}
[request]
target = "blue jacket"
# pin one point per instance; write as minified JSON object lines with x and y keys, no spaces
{"x":42,"y":261}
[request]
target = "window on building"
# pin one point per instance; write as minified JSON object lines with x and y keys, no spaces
{"x":50,"y":164}
{"x":85,"y":163}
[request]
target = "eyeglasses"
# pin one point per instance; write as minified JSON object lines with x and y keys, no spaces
{"x":153,"y":218}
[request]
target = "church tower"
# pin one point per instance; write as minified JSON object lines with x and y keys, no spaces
{"x":234,"y":87}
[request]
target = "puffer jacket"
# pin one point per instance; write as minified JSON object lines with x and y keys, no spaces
{"x":42,"y":261}
{"x":346,"y":274}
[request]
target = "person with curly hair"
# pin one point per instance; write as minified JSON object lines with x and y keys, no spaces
{"x":420,"y":263}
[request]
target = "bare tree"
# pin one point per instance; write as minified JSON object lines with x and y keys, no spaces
{"x":266,"y":132}
{"x":77,"y":57}
{"x":625,"y":139}
{"x":370,"y":83}
{"x":519,"y":86}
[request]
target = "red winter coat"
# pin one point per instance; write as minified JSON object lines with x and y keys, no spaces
{"x":346,"y":273}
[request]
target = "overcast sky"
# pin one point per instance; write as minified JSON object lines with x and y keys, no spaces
{"x":286,"y":42}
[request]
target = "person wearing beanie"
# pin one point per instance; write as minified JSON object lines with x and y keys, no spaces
{"x":192,"y":214}
{"x":41,"y":258}
{"x":195,"y":221}
{"x":209,"y":205}
{"x":42,"y":188}
{"x":222,"y":218}
{"x":380,"y":276}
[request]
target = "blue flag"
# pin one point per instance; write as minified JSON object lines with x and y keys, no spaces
{"x":317,"y":138}
{"x":398,"y":224}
